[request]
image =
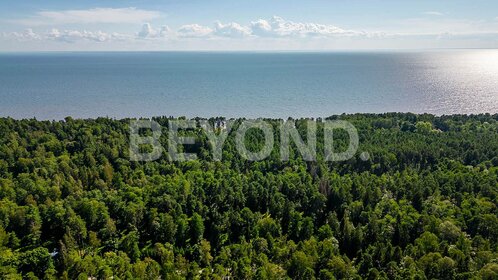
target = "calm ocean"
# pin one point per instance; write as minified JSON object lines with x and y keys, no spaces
{"x":56,"y":85}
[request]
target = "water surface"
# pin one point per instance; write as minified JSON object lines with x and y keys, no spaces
{"x":82,"y":85}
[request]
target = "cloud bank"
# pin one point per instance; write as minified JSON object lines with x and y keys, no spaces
{"x":231,"y":30}
{"x":279,"y":27}
{"x":67,"y":36}
{"x":276,"y":27}
{"x":273,"y":32}
{"x":273,"y":28}
{"x":194,"y":31}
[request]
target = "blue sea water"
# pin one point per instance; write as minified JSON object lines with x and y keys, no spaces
{"x":245,"y":84}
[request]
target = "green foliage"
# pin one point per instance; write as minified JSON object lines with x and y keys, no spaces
{"x":423,"y":205}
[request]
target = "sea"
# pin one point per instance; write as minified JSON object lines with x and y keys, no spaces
{"x":54,"y":85}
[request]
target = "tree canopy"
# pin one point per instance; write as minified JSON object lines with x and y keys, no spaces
{"x":421,"y":205}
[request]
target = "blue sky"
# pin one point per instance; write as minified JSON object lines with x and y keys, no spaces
{"x":246,"y":25}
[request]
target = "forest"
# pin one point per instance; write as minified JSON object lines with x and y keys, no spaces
{"x":422,"y":205}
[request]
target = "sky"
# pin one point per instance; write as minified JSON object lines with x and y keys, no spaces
{"x":256,"y":25}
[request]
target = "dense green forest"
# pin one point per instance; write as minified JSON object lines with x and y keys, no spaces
{"x":423,"y":205}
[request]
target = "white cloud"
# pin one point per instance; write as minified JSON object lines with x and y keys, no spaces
{"x":262,"y":28}
{"x":146,"y":31}
{"x":149,"y":32}
{"x":71,"y":36}
{"x":96,"y":15}
{"x":279,"y":27}
{"x":275,"y":27}
{"x":68,"y":36}
{"x":231,"y":30}
{"x":433,"y":13}
{"x":194,"y":31}
{"x":26,"y":35}
{"x":274,"y":33}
